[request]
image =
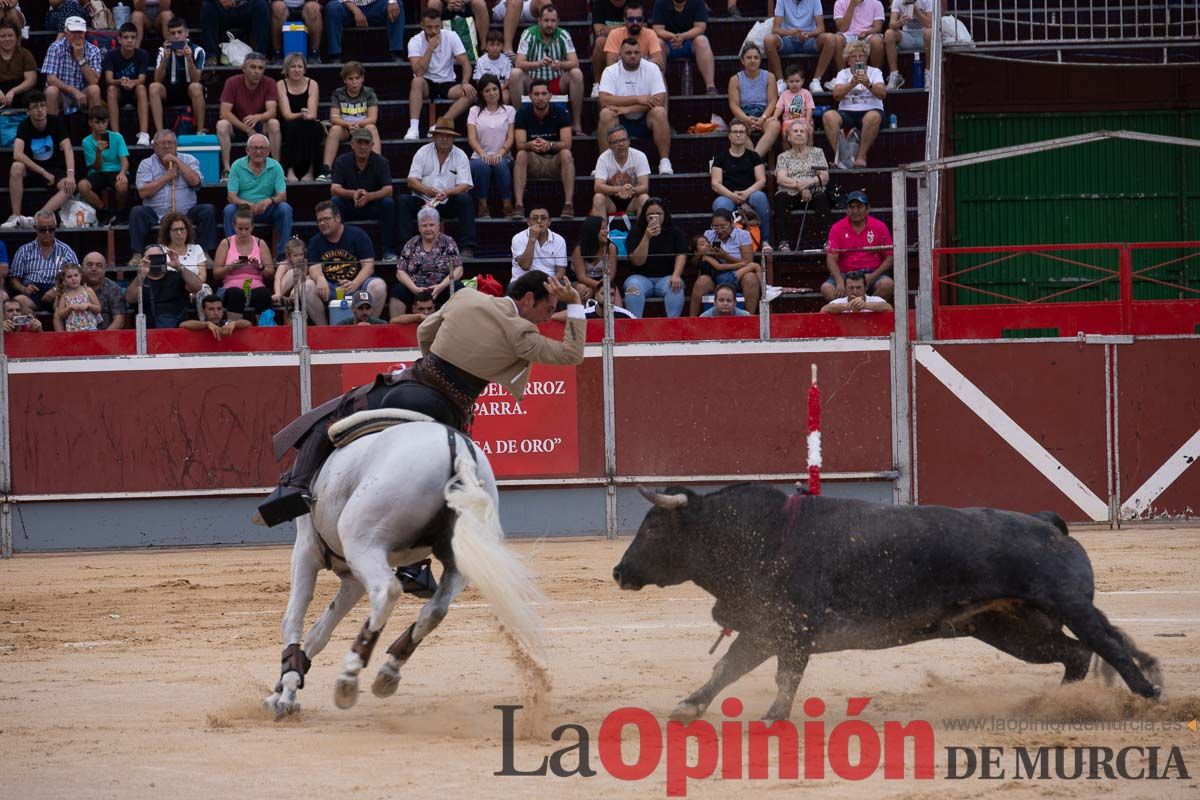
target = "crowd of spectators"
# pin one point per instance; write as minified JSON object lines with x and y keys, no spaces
{"x":523,"y":100}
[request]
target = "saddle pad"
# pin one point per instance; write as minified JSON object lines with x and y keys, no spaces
{"x":363,"y":423}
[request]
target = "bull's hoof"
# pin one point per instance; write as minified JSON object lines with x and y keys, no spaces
{"x":687,"y":711}
{"x":387,"y":680}
{"x":1155,"y":692}
{"x":345,"y":691}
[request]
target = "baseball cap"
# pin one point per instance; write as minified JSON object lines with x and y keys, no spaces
{"x":74,"y":24}
{"x":362,"y":133}
{"x":362,"y":299}
{"x":857,"y":197}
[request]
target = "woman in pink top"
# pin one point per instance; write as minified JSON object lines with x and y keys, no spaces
{"x":244,"y":267}
{"x":490,"y":134}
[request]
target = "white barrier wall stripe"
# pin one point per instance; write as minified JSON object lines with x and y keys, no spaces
{"x":1012,"y":433}
{"x":751,"y":347}
{"x":150,"y":363}
{"x":1163,"y":477}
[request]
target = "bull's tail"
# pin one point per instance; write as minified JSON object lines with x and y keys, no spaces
{"x":1147,"y":663}
{"x":480,"y":554}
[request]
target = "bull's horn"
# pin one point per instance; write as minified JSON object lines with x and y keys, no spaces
{"x":667,"y":501}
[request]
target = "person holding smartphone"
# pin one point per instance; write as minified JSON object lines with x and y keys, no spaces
{"x":162,"y":290}
{"x":859,"y":91}
{"x":244,"y":267}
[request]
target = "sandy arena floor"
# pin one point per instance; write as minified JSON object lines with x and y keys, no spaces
{"x":140,"y":675}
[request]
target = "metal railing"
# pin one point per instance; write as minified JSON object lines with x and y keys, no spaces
{"x":1068,"y":272}
{"x":1075,"y":22}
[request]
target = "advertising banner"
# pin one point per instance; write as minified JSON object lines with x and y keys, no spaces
{"x":538,"y":436}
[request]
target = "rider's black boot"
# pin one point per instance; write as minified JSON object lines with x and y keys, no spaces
{"x":417,"y":579}
{"x":292,"y":498}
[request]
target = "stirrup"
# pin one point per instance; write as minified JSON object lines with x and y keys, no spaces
{"x":284,"y":504}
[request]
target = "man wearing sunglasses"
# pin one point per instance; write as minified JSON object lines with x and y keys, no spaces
{"x":636,"y":28}
{"x":36,"y":264}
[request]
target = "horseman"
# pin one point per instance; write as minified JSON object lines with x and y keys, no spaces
{"x":473,"y":340}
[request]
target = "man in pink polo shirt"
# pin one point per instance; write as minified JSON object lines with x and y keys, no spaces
{"x":858,"y":243}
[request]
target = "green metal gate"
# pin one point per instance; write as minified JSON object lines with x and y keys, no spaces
{"x":1111,"y":191}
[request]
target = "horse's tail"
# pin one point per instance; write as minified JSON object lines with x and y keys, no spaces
{"x":479,"y":553}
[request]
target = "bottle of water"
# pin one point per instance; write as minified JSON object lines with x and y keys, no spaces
{"x":892,"y":121}
{"x":918,"y":72}
{"x":120,"y":15}
{"x":246,"y":284}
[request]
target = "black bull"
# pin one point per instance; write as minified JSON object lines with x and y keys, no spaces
{"x":817,"y":575}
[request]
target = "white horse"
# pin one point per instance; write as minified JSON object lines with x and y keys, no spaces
{"x":386,"y":500}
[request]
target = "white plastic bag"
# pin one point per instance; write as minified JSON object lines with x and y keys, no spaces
{"x":69,"y":214}
{"x":847,"y":149}
{"x":759,"y":32}
{"x":954,"y":32}
{"x":234,"y":51}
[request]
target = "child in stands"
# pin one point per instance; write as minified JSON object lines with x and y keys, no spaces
{"x":796,"y":102}
{"x":76,"y":308}
{"x":494,"y":62}
{"x":353,"y":106}
{"x":106,"y":159}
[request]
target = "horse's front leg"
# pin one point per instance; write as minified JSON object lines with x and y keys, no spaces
{"x":370,"y":565}
{"x":431,"y":615}
{"x":306,"y":563}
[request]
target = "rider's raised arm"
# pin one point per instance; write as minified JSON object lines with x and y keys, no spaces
{"x":530,"y":345}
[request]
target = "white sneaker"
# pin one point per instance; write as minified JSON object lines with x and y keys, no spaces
{"x":665,"y":168}
{"x":815,"y":87}
{"x":781,"y":85}
{"x":595,"y":90}
{"x":26,"y":222}
{"x":143,"y":139}
{"x":12,"y":222}
{"x":895,"y":81}
{"x":771,"y":292}
{"x":829,"y":86}
{"x":412,"y":135}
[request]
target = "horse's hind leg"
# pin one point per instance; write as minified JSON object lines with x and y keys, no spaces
{"x":306,"y":563}
{"x":1032,"y":636}
{"x":370,"y":566}
{"x":431,"y":615}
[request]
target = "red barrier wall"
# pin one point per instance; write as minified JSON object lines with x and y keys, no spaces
{"x":149,"y":430}
{"x":747,"y":414}
{"x":1158,"y":412}
{"x":1053,"y":392}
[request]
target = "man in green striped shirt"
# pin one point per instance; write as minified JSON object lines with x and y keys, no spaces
{"x":547,"y":52}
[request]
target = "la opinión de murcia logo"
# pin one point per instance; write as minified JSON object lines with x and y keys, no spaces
{"x":851,"y":750}
{"x":726,"y":744}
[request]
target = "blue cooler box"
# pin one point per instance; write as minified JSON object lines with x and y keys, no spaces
{"x":207,"y":151}
{"x":340,"y":311}
{"x":295,"y":39}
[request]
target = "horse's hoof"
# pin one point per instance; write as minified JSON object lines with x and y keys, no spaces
{"x":286,"y":709}
{"x":345,"y":691}
{"x":686,"y":712}
{"x":386,"y":681}
{"x":271,"y":703}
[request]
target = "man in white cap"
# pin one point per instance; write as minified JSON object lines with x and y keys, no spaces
{"x":72,"y":69}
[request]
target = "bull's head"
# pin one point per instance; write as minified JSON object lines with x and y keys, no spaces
{"x":658,"y":553}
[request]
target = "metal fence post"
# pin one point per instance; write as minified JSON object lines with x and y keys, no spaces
{"x":5,"y":459}
{"x":139,"y":323}
{"x":901,"y":402}
{"x":925,"y":286}
{"x":300,"y":341}
{"x":610,"y":415}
